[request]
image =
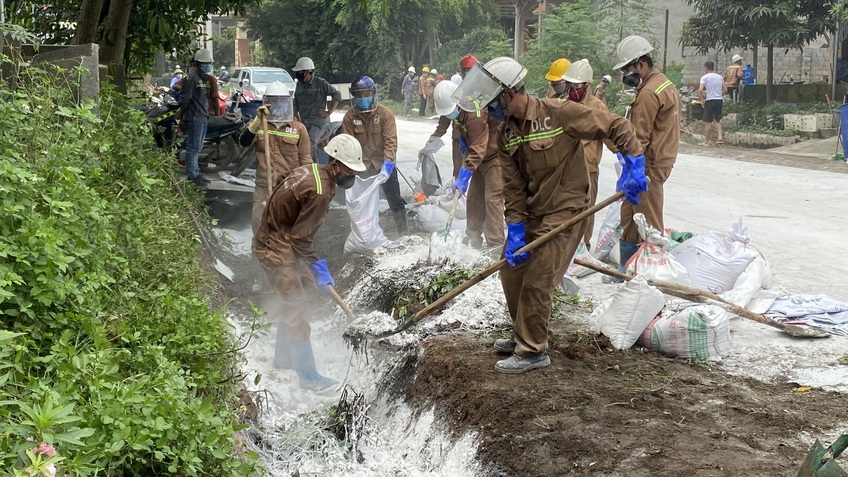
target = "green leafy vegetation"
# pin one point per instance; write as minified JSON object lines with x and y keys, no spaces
{"x":109,"y":354}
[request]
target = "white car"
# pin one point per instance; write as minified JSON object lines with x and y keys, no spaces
{"x":256,"y":78}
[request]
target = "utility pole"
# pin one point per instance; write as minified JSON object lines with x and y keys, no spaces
{"x":665,"y":42}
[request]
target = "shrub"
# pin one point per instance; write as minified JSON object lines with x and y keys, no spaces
{"x":109,"y":355}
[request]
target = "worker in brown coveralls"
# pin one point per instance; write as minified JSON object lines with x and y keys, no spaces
{"x":578,"y":81}
{"x":284,"y":146}
{"x":373,"y":125}
{"x":546,"y":182}
{"x":655,"y":115}
{"x":477,"y":144}
{"x":283,"y":245}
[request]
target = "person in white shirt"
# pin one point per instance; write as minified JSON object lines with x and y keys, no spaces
{"x":710,"y":93}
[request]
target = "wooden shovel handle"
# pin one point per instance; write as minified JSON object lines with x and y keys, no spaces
{"x":341,"y":302}
{"x":267,"y":156}
{"x":491,"y":269}
{"x":690,"y":291}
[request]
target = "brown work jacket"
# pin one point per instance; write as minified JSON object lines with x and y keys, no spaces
{"x":474,"y":128}
{"x":656,"y":118}
{"x":289,"y":147}
{"x":295,"y":211}
{"x":732,"y":76}
{"x":422,"y":88}
{"x":376,"y":132}
{"x":542,"y":160}
{"x":430,"y":86}
{"x":593,"y":150}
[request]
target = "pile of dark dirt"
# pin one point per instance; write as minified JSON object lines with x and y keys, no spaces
{"x":597,"y":411}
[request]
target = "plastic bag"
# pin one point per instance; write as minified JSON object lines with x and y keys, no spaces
{"x":433,"y":218}
{"x":609,"y":234}
{"x":715,"y":260}
{"x":363,"y":206}
{"x":698,"y":333}
{"x":431,"y":179}
{"x":625,"y":315}
{"x":753,"y":280}
{"x":653,"y":260}
{"x":445,"y":202}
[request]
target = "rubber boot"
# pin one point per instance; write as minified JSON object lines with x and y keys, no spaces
{"x":282,"y":351}
{"x":625,"y":251}
{"x":304,"y":364}
{"x":400,"y":221}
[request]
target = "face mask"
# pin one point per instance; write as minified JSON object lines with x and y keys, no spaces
{"x":300,"y":75}
{"x":179,"y":76}
{"x":576,"y":94}
{"x":559,"y":88}
{"x":496,"y":111}
{"x":363,"y":103}
{"x":632,"y":80}
{"x":206,"y":68}
{"x":345,"y":182}
{"x":453,"y":114}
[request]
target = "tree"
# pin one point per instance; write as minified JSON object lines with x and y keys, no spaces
{"x":570,"y":31}
{"x":730,"y":24}
{"x":224,"y":47}
{"x":346,"y":38}
{"x":622,"y":18}
{"x":484,"y":43}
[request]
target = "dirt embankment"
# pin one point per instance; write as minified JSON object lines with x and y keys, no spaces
{"x":596,"y":411}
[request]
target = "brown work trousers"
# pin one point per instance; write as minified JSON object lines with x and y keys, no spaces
{"x":260,"y":197}
{"x":593,"y":198}
{"x":650,"y":204}
{"x":485,"y":204}
{"x":291,"y":278}
{"x":529,"y":287}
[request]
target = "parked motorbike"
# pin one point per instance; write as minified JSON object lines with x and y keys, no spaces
{"x":221,"y":144}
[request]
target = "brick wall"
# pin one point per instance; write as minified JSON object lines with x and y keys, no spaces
{"x":810,"y":65}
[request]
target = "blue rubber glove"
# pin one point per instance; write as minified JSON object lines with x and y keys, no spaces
{"x":514,"y":241}
{"x":632,"y":180}
{"x":463,"y":147}
{"x":462,"y":180}
{"x":322,"y":275}
{"x":388,"y":167}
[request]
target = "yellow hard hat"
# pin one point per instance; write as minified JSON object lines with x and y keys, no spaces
{"x":425,"y":70}
{"x":558,"y":68}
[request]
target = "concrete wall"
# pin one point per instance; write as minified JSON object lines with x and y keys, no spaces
{"x":784,"y":93}
{"x":678,"y":13}
{"x":810,"y":65}
{"x":71,"y":57}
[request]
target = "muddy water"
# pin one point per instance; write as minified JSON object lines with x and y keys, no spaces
{"x":389,"y":437}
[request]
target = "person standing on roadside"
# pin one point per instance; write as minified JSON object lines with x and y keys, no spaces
{"x":732,"y":77}
{"x":194,"y":104}
{"x":310,"y":102}
{"x":601,"y":89}
{"x":178,"y":75}
{"x":545,"y":184}
{"x":408,"y":87}
{"x":476,"y":168}
{"x":373,"y":125}
{"x":284,"y":247}
{"x":422,"y":92}
{"x":656,"y":118}
{"x":578,"y":80}
{"x":280,"y":149}
{"x":709,"y":92}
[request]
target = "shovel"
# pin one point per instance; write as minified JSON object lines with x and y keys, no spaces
{"x":820,"y":461}
{"x":219,"y":265}
{"x":500,"y":264}
{"x":689,"y":293}
{"x":341,"y":302}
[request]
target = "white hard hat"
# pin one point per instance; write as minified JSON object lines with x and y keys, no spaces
{"x":178,"y":71}
{"x":277,"y":89}
{"x":631,"y":49}
{"x":347,"y":150}
{"x":736,"y":58}
{"x":434,"y":72}
{"x":304,"y":63}
{"x":411,"y":69}
{"x":579,"y":72}
{"x":177,"y":67}
{"x":483,"y":83}
{"x":442,"y":97}
{"x":506,"y":70}
{"x":607,"y":79}
{"x":223,"y":68}
{"x":203,"y":56}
